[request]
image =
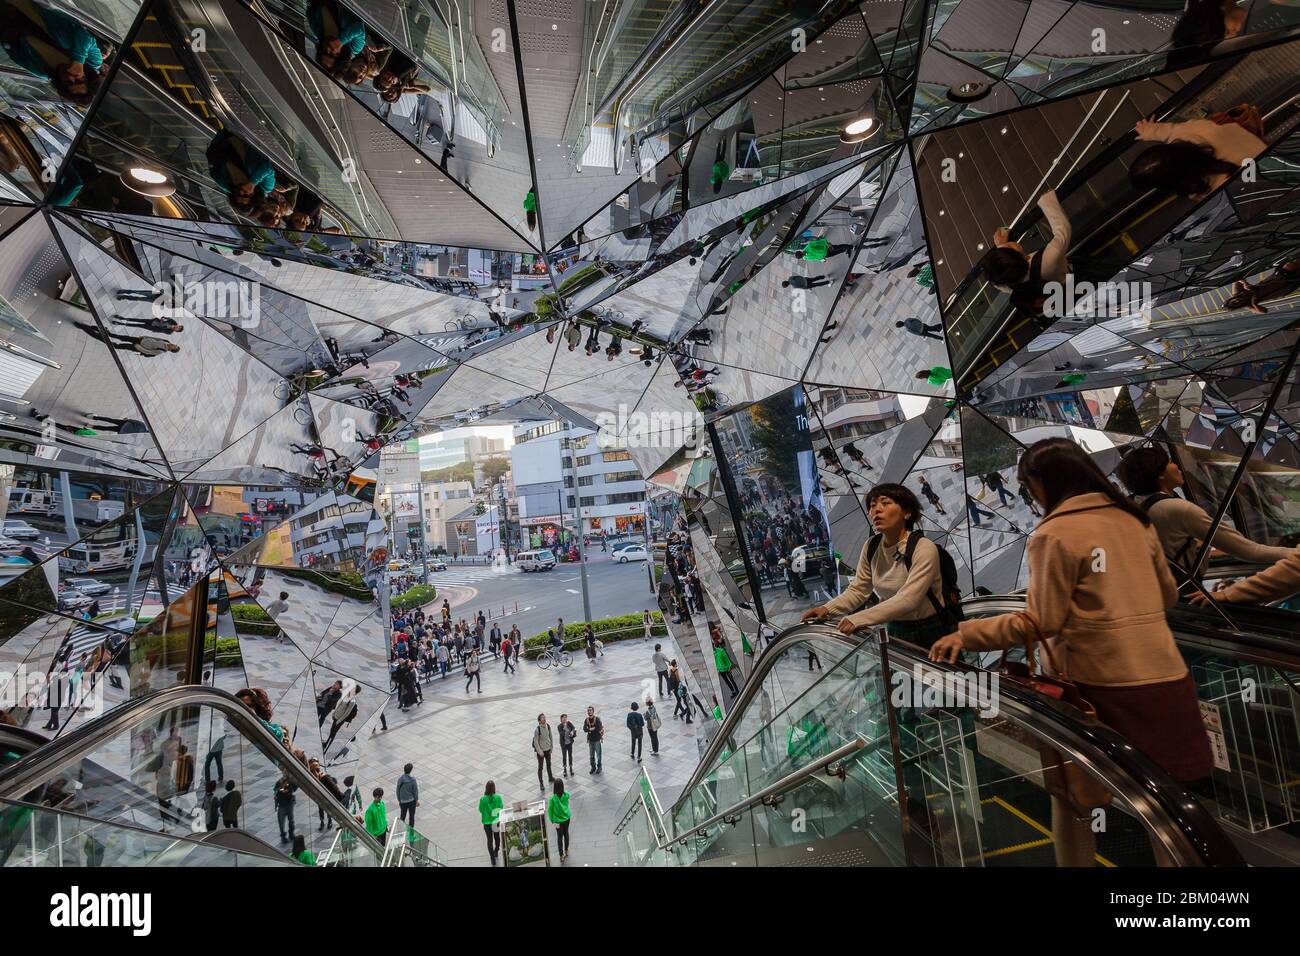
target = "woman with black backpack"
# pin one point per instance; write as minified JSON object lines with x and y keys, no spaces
{"x":899,"y":580}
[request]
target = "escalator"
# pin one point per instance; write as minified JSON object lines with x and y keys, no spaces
{"x":808,"y":770}
{"x":1247,"y":674}
{"x":144,"y":766}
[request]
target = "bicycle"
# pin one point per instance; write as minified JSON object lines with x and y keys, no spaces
{"x":464,"y":323}
{"x":551,"y":656}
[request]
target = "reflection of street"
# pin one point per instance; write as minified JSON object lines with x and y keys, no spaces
{"x":541,"y":598}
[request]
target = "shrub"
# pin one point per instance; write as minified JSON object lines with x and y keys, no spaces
{"x":629,"y":626}
{"x":417,"y":596}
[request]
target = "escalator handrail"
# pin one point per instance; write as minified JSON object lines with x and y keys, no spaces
{"x":38,"y":767}
{"x":788,"y":782}
{"x":763,"y":665}
{"x":1269,"y":649}
{"x":115,"y":825}
{"x":1126,"y":771}
{"x":1196,"y":840}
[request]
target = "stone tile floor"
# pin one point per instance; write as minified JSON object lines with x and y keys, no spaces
{"x":457,"y":741}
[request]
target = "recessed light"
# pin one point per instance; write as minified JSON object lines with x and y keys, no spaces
{"x":418,"y":160}
{"x":961,"y":155}
{"x":939,"y":263}
{"x":555,"y":26}
{"x":1004,"y":131}
{"x":980,"y":246}
{"x":941,"y":212}
{"x":1005,"y":188}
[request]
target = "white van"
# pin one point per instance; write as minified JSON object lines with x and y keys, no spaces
{"x":542,"y":560}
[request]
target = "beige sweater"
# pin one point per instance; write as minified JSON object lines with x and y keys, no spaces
{"x":902,"y":594}
{"x":1182,"y":526}
{"x":1099,"y":586}
{"x":1230,"y":142}
{"x":1280,"y":581}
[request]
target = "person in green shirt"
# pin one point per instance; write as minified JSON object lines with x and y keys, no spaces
{"x":489,"y":812}
{"x":937,"y":376}
{"x":530,"y":208}
{"x":377,"y":816}
{"x":717,"y":709}
{"x":722,"y":658}
{"x":300,"y":852}
{"x":718,"y":175}
{"x":557,"y":811}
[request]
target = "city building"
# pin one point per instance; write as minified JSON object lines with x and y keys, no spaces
{"x":560,"y":471}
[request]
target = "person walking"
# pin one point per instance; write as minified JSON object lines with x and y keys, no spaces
{"x":508,"y":651}
{"x":595,"y":731}
{"x":284,"y":799}
{"x":568,"y":733}
{"x":543,"y":743}
{"x":636,"y":725}
{"x":489,"y":813}
{"x":652,"y":725}
{"x":408,"y":795}
{"x":494,"y":641}
{"x":230,"y":804}
{"x":661,"y":668}
{"x":557,"y":811}
{"x":444,"y":658}
{"x":674,"y":679}
{"x":472,"y":671}
{"x":722,"y":659}
{"x":648,"y":623}
{"x":377,"y":816}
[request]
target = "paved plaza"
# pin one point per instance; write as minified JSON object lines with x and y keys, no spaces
{"x":457,"y":741}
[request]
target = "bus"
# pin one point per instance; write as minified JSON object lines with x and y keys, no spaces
{"x":111,"y":551}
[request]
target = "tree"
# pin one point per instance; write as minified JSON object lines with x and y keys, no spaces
{"x":461,"y":471}
{"x":494,"y":469}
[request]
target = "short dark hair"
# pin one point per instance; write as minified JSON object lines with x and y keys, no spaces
{"x":284,"y":595}
{"x":377,"y":793}
{"x":489,"y":788}
{"x":1006,"y":266}
{"x":1141,"y":468}
{"x":901,"y":496}
{"x":408,"y":768}
{"x":634,"y":706}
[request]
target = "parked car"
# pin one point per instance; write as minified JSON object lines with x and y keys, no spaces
{"x":631,"y":552}
{"x":89,"y":586}
{"x":21,"y":530}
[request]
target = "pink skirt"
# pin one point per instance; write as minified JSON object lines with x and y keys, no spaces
{"x":1161,"y":720}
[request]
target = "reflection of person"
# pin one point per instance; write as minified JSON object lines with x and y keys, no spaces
{"x":240,"y":170}
{"x":52,"y":45}
{"x":339,"y":33}
{"x":1284,"y":280}
{"x":1009,"y":269}
{"x":1282,"y":580}
{"x":1151,"y":477}
{"x":1194,"y":158}
{"x":1106,"y":624}
{"x":376,"y":820}
{"x":146,"y":345}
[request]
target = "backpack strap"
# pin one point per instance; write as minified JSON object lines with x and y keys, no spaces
{"x":873,"y":545}
{"x":913,"y":539}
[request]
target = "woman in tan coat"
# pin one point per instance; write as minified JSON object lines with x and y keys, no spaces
{"x":1099,"y":586}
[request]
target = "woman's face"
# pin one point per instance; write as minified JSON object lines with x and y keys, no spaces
{"x":887,"y":516}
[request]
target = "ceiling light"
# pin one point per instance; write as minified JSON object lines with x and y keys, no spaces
{"x":1004,"y":131}
{"x":555,"y":26}
{"x":968,"y":92}
{"x":418,"y":159}
{"x":980,"y":246}
{"x":858,"y":130}
{"x":148,"y":182}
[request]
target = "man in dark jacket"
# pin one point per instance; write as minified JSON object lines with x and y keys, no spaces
{"x":408,"y":794}
{"x":636,"y":724}
{"x":327,"y":700}
{"x":595,"y":731}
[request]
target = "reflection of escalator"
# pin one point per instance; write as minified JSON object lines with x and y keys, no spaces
{"x":807,"y":770}
{"x":146,"y":765}
{"x":1113,"y":223}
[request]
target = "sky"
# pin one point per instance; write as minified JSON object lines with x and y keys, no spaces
{"x":506,"y":432}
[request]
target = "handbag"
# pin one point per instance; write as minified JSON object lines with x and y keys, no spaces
{"x":1062,"y":778}
{"x":1244,"y":115}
